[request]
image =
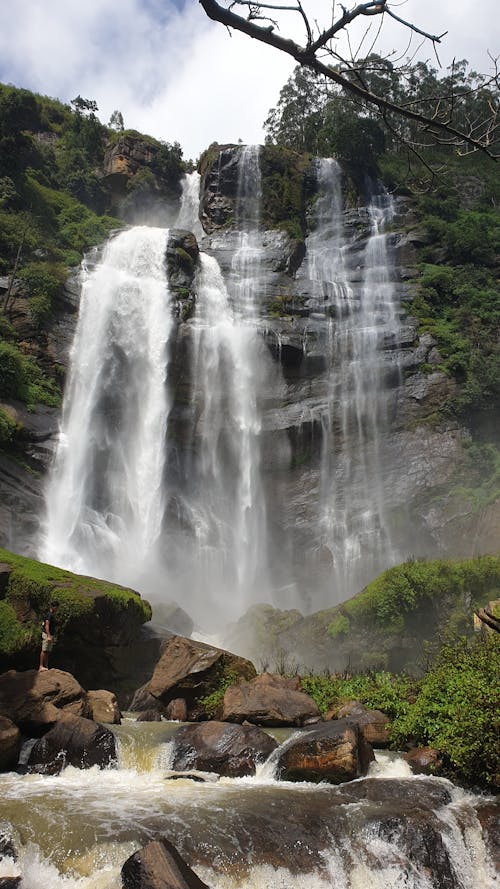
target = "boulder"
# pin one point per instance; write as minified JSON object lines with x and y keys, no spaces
{"x":72,"y":741}
{"x":104,"y":707}
{"x":488,"y":813}
{"x":33,"y":699}
{"x":149,"y":716}
{"x":334,"y":751}
{"x":373,"y":723}
{"x":171,"y":617}
{"x":176,"y":710}
{"x":193,"y":670}
{"x":143,"y":701}
{"x":229,"y":750}
{"x":159,"y":866}
{"x":10,"y":744}
{"x":424,"y":760}
{"x":269,"y":700}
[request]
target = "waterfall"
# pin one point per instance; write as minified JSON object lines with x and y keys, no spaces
{"x":359,"y":317}
{"x":188,"y":217}
{"x":221,"y":501}
{"x":105,"y":497}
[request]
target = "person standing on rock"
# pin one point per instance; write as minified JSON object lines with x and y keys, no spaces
{"x":48,"y":635}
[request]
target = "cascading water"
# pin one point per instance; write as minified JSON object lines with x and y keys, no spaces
{"x":359,"y":317}
{"x":188,"y":217}
{"x":388,"y":831}
{"x":105,"y":497}
{"x":222,"y":501}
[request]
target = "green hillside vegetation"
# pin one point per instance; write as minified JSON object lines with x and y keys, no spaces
{"x":100,"y":606}
{"x":55,"y":203}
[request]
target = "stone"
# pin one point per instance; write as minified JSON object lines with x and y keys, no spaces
{"x":104,"y":707}
{"x":488,"y":813}
{"x":424,"y":760}
{"x":176,"y":710}
{"x":158,"y":865}
{"x":72,"y":741}
{"x":170,"y":616}
{"x":229,"y":750}
{"x":149,"y":716}
{"x":34,"y":700}
{"x":373,"y":723}
{"x":143,"y":701}
{"x":269,"y":700}
{"x":10,"y":744}
{"x":193,"y":670}
{"x":335,"y":751}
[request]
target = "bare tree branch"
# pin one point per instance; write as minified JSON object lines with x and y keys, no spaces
{"x":437,"y":122}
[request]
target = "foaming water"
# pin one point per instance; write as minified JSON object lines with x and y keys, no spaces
{"x":105,"y":497}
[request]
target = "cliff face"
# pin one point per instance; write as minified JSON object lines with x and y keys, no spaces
{"x":410,"y":473}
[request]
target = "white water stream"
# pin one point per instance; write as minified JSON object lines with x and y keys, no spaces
{"x":76,"y":830}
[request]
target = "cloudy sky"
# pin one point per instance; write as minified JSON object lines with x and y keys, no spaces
{"x":180,"y":77}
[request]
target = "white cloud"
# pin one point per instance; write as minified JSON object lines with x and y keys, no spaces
{"x":178,"y":76}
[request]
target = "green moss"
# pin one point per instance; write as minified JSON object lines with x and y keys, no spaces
{"x":212,"y":703}
{"x":14,"y":636}
{"x":34,"y":584}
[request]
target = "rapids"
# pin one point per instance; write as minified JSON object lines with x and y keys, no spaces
{"x":389,"y":830}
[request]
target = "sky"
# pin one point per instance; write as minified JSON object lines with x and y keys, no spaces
{"x":178,"y":76}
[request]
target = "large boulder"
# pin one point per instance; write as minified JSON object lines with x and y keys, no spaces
{"x":104,"y":707}
{"x":424,"y":760}
{"x":10,"y":744}
{"x":333,"y":751}
{"x":159,"y":866}
{"x":72,"y":741}
{"x":229,"y":750}
{"x":193,"y":670}
{"x":34,"y":700}
{"x":269,"y":700}
{"x":373,"y":723}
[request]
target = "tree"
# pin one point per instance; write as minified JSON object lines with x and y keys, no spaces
{"x":116,"y":121}
{"x":439,"y":115}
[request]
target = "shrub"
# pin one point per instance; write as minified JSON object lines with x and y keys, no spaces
{"x":457,"y":710}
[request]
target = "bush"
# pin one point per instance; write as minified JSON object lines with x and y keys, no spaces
{"x":381,"y":691}
{"x":457,"y":710}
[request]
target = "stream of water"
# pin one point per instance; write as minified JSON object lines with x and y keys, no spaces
{"x":75,"y":831}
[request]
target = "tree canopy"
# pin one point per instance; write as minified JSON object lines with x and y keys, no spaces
{"x":415,"y":105}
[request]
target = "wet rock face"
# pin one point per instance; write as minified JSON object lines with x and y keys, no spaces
{"x":10,"y":744}
{"x":219,"y":187}
{"x":229,"y":750}
{"x":334,"y":751}
{"x":181,"y":257}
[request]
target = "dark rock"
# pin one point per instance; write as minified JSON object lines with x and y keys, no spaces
{"x":373,"y":723}
{"x":35,"y":700}
{"x":334,"y":751}
{"x":10,"y":744}
{"x":229,"y":750}
{"x":104,"y":707}
{"x":73,"y":741}
{"x":143,"y":701}
{"x":182,"y":254}
{"x":424,"y":760}
{"x":176,"y":710}
{"x":192,"y":670}
{"x":488,"y":813}
{"x":269,"y":700}
{"x":149,"y":716}
{"x":159,"y":866}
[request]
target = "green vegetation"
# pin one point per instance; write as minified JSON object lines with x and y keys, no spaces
{"x":376,"y":690}
{"x":457,"y":710}
{"x":454,"y":708}
{"x":212,"y":703}
{"x":32,"y":585}
{"x":56,"y":203}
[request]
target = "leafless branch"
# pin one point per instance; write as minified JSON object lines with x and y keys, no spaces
{"x":436,"y":122}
